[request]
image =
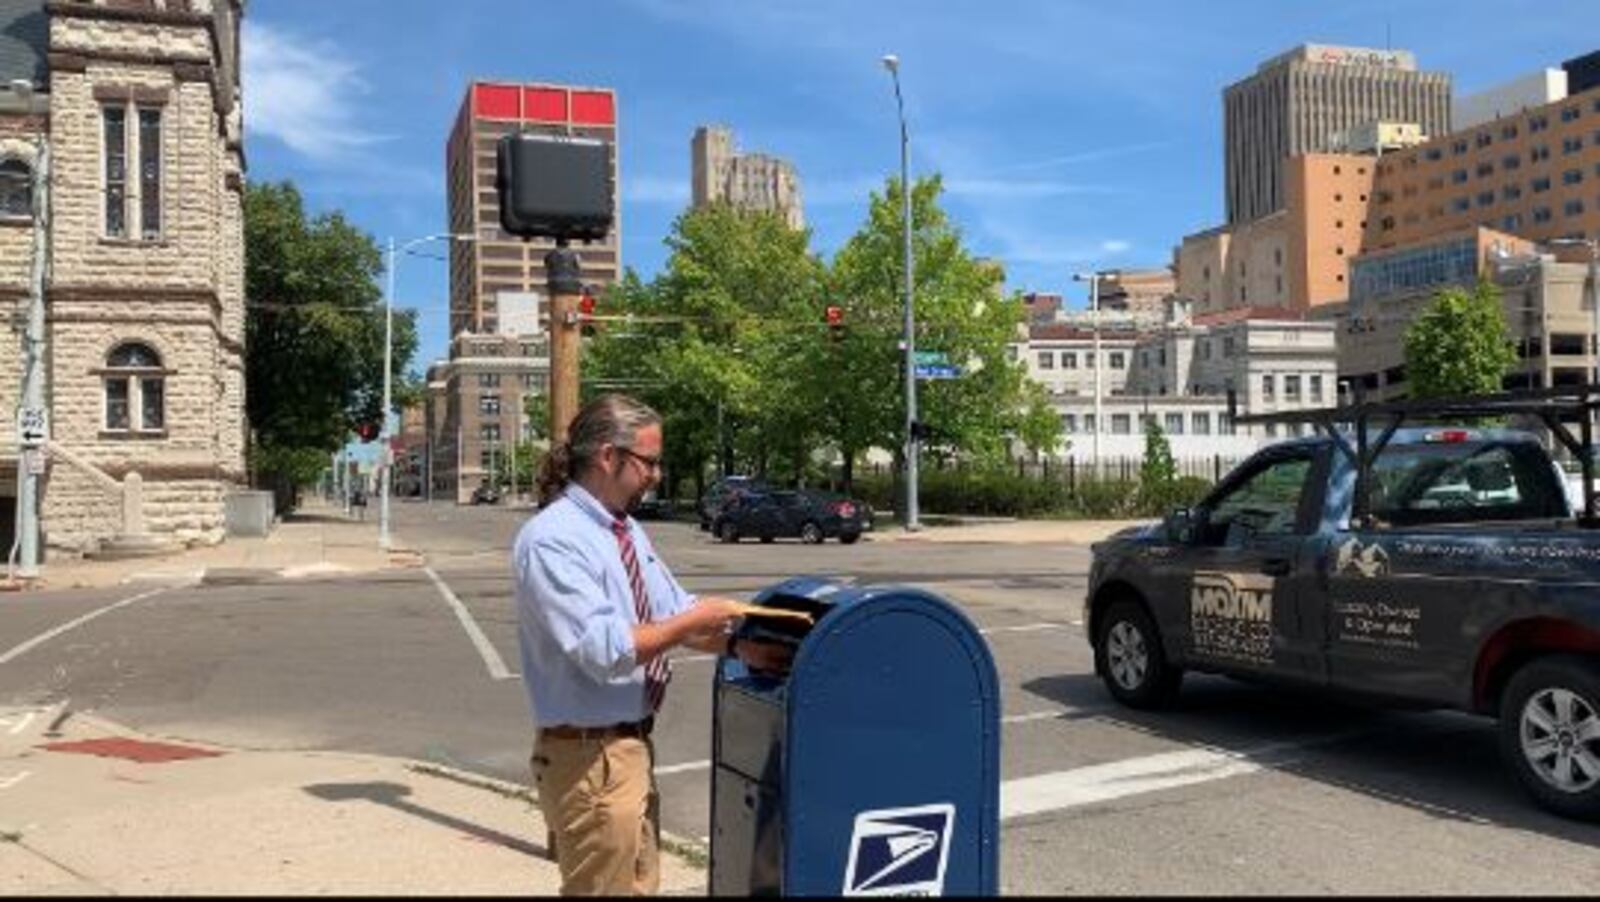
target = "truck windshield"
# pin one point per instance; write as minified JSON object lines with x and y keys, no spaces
{"x":1428,"y":483}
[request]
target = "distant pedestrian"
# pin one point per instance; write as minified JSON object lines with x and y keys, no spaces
{"x":358,"y":504}
{"x":597,"y":613}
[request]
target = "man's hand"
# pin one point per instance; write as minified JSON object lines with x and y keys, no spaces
{"x":713,"y":615}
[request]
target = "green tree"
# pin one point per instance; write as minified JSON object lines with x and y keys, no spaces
{"x":536,"y":416}
{"x":1460,"y":345}
{"x":1158,"y":472}
{"x":960,"y":312}
{"x":314,"y":334}
{"x":1038,"y":424}
{"x":723,"y":352}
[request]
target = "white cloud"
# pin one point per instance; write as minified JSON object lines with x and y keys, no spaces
{"x":302,"y":94}
{"x":651,"y":189}
{"x":1115,"y":246}
{"x":1017,"y":189}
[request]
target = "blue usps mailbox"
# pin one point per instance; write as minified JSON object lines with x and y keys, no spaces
{"x":872,"y":766}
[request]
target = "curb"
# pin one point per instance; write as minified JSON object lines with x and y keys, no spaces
{"x":694,"y":853}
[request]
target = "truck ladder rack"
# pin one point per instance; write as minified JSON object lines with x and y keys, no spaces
{"x":1552,"y":406}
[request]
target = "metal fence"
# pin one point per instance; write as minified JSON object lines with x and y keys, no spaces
{"x":1072,"y":471}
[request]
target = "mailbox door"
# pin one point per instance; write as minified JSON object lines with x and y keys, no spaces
{"x":892,"y":779}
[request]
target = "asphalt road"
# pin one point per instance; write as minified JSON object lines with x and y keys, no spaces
{"x":1239,"y":790}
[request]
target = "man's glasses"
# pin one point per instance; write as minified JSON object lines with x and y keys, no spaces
{"x":650,"y":463}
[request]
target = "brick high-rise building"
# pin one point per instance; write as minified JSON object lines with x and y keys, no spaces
{"x":496,"y":263}
{"x":140,"y":103}
{"x":498,"y":309}
{"x":1302,"y":101}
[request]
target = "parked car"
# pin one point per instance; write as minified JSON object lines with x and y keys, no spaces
{"x":485,"y":494}
{"x":808,"y":515}
{"x":652,"y":506}
{"x":1464,"y":589}
{"x":720,"y":491}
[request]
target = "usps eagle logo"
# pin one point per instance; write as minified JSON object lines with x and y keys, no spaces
{"x":900,"y":851}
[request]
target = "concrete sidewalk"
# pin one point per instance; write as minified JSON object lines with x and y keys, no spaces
{"x":87,"y":807}
{"x":319,"y":539}
{"x":1009,"y":532}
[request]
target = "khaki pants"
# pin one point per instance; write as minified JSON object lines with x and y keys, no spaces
{"x":599,"y":800}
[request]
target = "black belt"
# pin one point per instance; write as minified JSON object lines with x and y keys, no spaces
{"x":639,"y":729}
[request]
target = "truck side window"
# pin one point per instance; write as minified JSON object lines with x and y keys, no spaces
{"x":1423,"y":484}
{"x":1266,"y":503}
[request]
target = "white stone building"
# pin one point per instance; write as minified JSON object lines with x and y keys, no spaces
{"x":1270,"y":364}
{"x":1061,"y":358}
{"x":139,"y":101}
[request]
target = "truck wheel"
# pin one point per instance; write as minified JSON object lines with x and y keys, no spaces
{"x":811,"y":533}
{"x":727,"y":532}
{"x":1550,"y":733}
{"x":1129,"y":658}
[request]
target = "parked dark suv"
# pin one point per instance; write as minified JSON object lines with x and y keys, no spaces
{"x":718,"y":493}
{"x":809,"y":515}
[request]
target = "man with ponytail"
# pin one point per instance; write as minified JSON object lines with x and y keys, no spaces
{"x":597,"y":613}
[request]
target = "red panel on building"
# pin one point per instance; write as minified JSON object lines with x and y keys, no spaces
{"x":497,"y":101}
{"x":544,"y":104}
{"x":593,"y":108}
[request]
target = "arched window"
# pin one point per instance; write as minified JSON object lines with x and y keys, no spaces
{"x":16,"y":188}
{"x":135,"y":389}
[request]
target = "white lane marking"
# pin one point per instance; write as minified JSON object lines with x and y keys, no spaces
{"x":1131,"y":776}
{"x":1052,"y":715}
{"x":9,"y":782}
{"x":491,"y":658}
{"x":685,"y":767}
{"x":22,"y":723}
{"x":1149,"y":773}
{"x":1023,"y":628}
{"x":44,"y":637}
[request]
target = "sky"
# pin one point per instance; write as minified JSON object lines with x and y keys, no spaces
{"x":1070,"y":135}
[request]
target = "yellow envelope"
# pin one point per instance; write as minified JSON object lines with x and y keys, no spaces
{"x":755,"y":610}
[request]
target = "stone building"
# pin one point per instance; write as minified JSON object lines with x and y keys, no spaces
{"x":138,"y":102}
{"x":748,"y":181}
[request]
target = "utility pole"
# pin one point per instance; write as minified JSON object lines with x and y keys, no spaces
{"x":33,"y":395}
{"x":565,"y":287}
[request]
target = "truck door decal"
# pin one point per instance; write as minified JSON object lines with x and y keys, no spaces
{"x":1230,"y":616}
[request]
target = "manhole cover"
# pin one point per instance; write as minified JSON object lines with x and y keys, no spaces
{"x":139,"y":750}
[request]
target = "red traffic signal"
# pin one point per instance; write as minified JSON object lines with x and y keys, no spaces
{"x":834,"y":315}
{"x":586,"y":305}
{"x":367,"y":431}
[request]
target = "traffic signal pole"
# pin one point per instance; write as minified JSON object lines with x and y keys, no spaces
{"x":565,"y":287}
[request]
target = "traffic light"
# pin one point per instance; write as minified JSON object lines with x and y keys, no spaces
{"x":367,"y":431}
{"x":834,"y":316}
{"x":586,"y":307}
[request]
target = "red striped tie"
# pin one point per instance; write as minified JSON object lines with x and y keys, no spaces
{"x":656,"y":672}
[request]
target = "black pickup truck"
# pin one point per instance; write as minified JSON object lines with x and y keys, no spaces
{"x":1428,"y":566}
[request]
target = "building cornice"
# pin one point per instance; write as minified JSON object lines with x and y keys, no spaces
{"x":70,"y":294}
{"x":184,"y":68}
{"x":142,"y":12}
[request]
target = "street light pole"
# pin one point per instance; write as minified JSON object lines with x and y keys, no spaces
{"x":386,"y":453}
{"x":33,"y":341}
{"x":1093,"y":278}
{"x":913,"y":447}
